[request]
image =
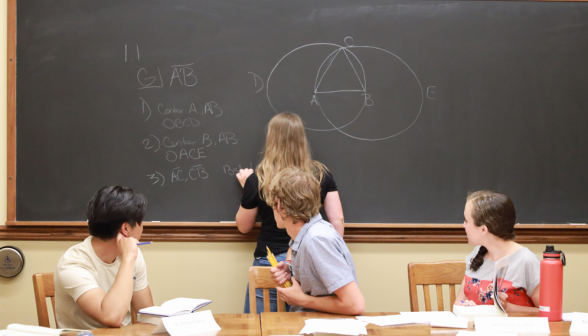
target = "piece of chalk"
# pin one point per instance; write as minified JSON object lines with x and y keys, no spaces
{"x":144,"y":243}
{"x":155,"y":221}
{"x":227,"y":221}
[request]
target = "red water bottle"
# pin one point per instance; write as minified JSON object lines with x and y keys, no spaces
{"x":551,"y":285}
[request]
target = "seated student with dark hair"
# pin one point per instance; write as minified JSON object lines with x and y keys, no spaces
{"x":323,"y":274}
{"x":97,"y":280}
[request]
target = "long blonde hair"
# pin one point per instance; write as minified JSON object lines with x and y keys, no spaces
{"x":286,"y":147}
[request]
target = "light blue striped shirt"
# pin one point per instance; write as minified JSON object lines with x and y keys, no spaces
{"x":321,"y":261}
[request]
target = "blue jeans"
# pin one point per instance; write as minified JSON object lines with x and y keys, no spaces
{"x":262,"y":261}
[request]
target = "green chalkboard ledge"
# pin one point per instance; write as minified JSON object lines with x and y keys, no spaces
{"x":354,"y":233}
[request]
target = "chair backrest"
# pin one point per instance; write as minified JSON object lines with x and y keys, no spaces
{"x":260,"y":277}
{"x":44,"y":288}
{"x":434,"y":273}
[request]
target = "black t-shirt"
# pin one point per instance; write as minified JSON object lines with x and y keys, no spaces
{"x":271,"y":236}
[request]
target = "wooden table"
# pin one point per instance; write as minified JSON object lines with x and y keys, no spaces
{"x":231,"y":324}
{"x":292,"y":323}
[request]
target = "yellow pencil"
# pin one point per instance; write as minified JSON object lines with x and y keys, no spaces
{"x":272,"y":259}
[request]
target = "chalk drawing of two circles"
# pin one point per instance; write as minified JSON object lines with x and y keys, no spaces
{"x":364,"y":92}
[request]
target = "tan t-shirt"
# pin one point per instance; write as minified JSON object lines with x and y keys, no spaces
{"x":80,"y":270}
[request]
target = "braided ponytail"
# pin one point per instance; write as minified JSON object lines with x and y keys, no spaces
{"x":478,"y":260}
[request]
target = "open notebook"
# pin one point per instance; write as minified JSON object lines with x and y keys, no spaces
{"x":176,"y":307}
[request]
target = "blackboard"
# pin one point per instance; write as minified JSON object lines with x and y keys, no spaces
{"x":411,"y":104}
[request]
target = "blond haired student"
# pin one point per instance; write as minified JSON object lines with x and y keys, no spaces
{"x":489,"y":224}
{"x":286,"y":146}
{"x":324,"y":277}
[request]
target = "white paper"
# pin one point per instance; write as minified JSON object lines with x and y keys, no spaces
{"x":479,"y":333}
{"x":569,"y":316}
{"x":190,"y":324}
{"x":349,"y":327}
{"x":387,"y":320}
{"x":512,"y":324}
{"x":15,"y":333}
{"x":453,"y":322}
{"x":33,"y":329}
{"x":579,"y":323}
{"x":427,"y":317}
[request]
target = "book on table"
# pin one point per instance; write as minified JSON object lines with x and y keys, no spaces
{"x":16,"y":329}
{"x":495,"y":310}
{"x":174,"y":307}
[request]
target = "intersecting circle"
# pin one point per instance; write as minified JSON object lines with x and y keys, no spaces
{"x":327,"y":85}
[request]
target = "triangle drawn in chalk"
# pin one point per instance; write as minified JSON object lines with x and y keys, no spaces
{"x":340,"y":72}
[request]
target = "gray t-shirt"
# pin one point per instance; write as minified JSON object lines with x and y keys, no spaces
{"x":321,"y":261}
{"x":523,"y":269}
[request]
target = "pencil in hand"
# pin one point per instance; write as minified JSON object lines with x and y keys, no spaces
{"x":274,"y":263}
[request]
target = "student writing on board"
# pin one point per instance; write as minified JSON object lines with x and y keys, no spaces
{"x":489,"y":223}
{"x":286,"y":146}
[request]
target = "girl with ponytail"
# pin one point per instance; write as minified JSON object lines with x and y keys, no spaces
{"x":286,"y":146}
{"x":489,"y":219}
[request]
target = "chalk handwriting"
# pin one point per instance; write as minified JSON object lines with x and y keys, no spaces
{"x":157,"y":177}
{"x":180,"y":74}
{"x":228,"y":138}
{"x":210,"y":108}
{"x":132,"y":59}
{"x":155,"y":145}
{"x":146,"y":108}
{"x":213,"y":108}
{"x":185,"y":154}
{"x":148,"y":82}
{"x":430,"y":92}
{"x":232,"y":171}
{"x":179,"y":174}
{"x":180,"y":123}
{"x":255,"y":79}
{"x":187,"y":74}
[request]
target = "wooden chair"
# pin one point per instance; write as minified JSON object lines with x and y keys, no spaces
{"x":44,"y":288}
{"x":434,"y":273}
{"x":260,"y":277}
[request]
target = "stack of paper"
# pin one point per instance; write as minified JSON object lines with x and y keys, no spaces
{"x":436,"y":319}
{"x":349,"y":327}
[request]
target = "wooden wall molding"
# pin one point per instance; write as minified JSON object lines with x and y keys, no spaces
{"x":354,"y":233}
